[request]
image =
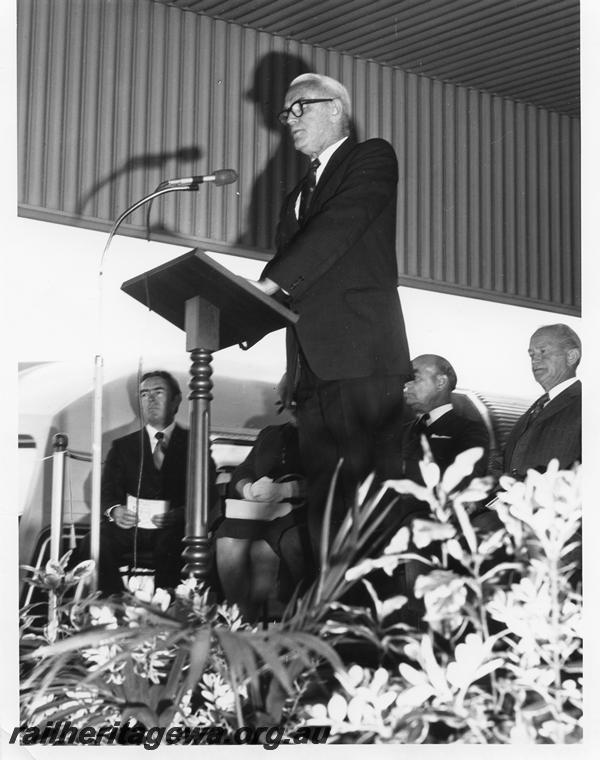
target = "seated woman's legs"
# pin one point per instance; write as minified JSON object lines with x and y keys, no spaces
{"x":264,"y":565}
{"x":297,"y":567}
{"x":233,"y":567}
{"x":248,"y":573}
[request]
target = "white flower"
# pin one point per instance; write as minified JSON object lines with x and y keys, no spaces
{"x":415,"y":695}
{"x":426,"y":531}
{"x":318,"y":713}
{"x":135,"y":615}
{"x":186,"y":588}
{"x":471,"y":662}
{"x":337,"y":708}
{"x":161,"y":599}
{"x":455,"y":550}
{"x":142,"y":587}
{"x":80,"y":571}
{"x":399,"y":542}
{"x":430,"y":472}
{"x":364,"y":707}
{"x":492,"y":542}
{"x":444,"y":594}
{"x":150,"y":662}
{"x":103,"y":616}
{"x":555,"y":731}
{"x":428,"y":682}
{"x":410,"y":487}
{"x":100,"y":656}
{"x":387,"y":564}
{"x":522,"y":733}
{"x":461,"y":468}
{"x":218,"y":692}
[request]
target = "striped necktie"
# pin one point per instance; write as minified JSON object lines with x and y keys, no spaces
{"x":308,"y":188}
{"x":536,"y":409}
{"x":158,"y":455}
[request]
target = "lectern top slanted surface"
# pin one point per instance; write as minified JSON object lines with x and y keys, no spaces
{"x":245,"y":313}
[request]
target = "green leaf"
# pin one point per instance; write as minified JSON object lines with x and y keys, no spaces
{"x":239,"y":655}
{"x":199,"y":652}
{"x":324,"y":549}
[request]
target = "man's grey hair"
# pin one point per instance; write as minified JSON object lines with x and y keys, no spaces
{"x":329,"y":87}
{"x":566,"y":336}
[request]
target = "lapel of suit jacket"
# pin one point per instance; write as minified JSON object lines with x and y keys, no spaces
{"x":288,"y":223}
{"x":442,"y":423}
{"x":517,"y":432}
{"x":336,"y":160}
{"x":557,"y":404}
{"x":175,"y":444}
{"x":551,"y":408}
{"x":147,"y":443}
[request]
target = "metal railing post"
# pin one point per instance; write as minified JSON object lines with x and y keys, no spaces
{"x":59,"y":444}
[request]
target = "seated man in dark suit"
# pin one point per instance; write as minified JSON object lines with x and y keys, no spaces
{"x":448,"y":433}
{"x":551,"y":427}
{"x":149,"y":464}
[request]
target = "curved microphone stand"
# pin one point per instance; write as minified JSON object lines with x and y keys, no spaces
{"x":98,"y":382}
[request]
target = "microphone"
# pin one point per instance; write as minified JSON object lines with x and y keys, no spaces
{"x":220,"y":177}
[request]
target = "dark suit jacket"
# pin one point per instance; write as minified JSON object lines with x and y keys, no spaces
{"x":340,"y":268}
{"x":276,"y":453}
{"x":554,"y":434}
{"x":121,"y":470}
{"x":448,"y":436}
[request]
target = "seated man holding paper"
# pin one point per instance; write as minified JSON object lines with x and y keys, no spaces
{"x":144,"y":490}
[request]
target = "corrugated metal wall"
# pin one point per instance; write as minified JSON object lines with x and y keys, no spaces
{"x":116,"y":95}
{"x":526,"y":50}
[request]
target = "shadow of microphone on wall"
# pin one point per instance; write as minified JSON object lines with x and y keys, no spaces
{"x":144,"y":161}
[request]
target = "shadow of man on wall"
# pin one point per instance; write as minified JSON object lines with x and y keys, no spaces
{"x":285,"y":166}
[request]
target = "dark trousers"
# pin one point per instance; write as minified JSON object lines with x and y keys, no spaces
{"x":356,"y":419}
{"x":163,"y":545}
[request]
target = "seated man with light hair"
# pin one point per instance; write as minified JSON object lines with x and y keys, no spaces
{"x":551,"y":427}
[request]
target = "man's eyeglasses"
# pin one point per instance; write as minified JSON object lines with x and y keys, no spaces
{"x":297,"y":108}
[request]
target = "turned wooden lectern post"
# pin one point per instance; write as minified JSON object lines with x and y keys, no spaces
{"x":216,"y":309}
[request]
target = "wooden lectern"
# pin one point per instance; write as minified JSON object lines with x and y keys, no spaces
{"x":216,"y":309}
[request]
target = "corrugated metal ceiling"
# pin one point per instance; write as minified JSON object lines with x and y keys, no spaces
{"x":526,"y":50}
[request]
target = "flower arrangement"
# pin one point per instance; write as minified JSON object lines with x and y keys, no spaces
{"x":496,"y":657}
{"x":499,"y":656}
{"x":152,"y":658}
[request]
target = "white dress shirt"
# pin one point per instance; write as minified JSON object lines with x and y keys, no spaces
{"x":167,"y":432}
{"x":438,"y":412}
{"x":553,"y":392}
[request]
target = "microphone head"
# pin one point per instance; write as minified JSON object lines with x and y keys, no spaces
{"x":225,"y":176}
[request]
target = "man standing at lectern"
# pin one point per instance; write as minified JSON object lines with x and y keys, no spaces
{"x":347,"y":356}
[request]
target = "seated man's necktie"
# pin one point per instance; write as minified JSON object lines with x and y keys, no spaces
{"x":308,"y":189}
{"x":420,"y":424}
{"x":158,"y":455}
{"x":536,"y":409}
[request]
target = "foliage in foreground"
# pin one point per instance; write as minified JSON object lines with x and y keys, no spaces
{"x":497,"y":658}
